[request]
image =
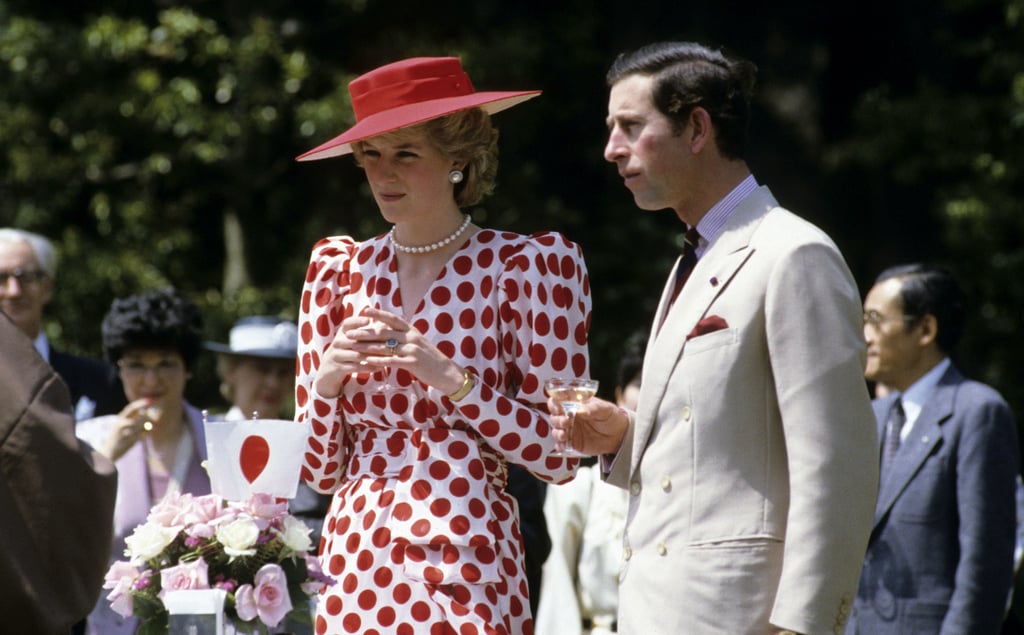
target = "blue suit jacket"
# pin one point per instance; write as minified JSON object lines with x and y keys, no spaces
{"x":94,"y":385}
{"x":940,"y":556}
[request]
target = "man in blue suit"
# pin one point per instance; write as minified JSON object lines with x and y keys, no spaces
{"x":940,"y":556}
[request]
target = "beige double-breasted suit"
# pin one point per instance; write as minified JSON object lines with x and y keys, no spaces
{"x":752,"y":460}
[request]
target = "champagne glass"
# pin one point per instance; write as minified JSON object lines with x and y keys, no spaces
{"x":391,"y":343}
{"x":386,"y":385}
{"x":150,"y":415}
{"x":570,"y":394}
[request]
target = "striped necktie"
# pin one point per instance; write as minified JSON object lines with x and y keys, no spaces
{"x":893,"y":426}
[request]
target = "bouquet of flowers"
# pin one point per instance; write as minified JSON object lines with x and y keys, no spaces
{"x":254,"y":550}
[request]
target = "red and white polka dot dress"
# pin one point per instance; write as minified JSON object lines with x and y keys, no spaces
{"x":420,"y":536}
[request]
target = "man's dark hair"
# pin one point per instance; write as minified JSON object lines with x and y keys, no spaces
{"x":161,"y":319}
{"x":687,"y":75}
{"x":927,"y":289}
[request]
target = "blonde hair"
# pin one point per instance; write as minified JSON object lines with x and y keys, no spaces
{"x":465,"y":136}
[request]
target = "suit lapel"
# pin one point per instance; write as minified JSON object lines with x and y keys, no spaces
{"x":924,"y":438}
{"x":710,"y":277}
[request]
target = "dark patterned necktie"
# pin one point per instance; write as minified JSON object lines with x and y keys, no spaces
{"x":893,"y":426}
{"x":687,"y":262}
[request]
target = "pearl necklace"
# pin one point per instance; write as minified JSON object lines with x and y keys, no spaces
{"x":433,"y":246}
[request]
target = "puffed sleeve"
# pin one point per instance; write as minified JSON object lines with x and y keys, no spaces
{"x":544,"y":311}
{"x":320,"y":315}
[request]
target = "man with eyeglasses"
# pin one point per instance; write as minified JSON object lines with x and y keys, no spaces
{"x":941,"y":552}
{"x":28,"y":265}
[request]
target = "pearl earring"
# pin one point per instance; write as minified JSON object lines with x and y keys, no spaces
{"x":456,"y":176}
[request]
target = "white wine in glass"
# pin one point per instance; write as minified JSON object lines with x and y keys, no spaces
{"x":385,"y":384}
{"x":570,"y":393}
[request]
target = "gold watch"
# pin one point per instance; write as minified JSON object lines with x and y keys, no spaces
{"x":468,"y":381}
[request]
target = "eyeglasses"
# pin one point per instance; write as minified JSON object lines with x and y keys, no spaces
{"x":23,"y":276}
{"x":876,"y":319}
{"x":164,"y":369}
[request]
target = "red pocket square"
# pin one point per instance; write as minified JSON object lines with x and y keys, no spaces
{"x":709,"y":324}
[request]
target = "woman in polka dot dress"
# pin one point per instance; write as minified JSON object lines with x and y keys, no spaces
{"x":422,"y":358}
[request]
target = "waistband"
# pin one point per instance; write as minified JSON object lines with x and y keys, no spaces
{"x":428,"y":464}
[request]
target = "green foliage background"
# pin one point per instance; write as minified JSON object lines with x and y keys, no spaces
{"x":154,"y":142}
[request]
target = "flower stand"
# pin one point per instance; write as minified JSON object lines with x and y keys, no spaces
{"x":195,"y":612}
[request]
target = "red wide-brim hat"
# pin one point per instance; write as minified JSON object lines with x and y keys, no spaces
{"x":409,"y":92}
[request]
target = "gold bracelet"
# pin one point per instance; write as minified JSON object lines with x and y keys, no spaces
{"x":468,"y":381}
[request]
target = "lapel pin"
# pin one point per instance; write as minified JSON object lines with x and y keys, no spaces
{"x":714,"y":281}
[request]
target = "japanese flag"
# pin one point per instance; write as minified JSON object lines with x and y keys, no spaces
{"x":251,"y":456}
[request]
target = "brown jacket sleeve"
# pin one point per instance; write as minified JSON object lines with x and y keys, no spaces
{"x":57,"y":496}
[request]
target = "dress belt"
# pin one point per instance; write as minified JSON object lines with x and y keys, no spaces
{"x":417,"y":461}
{"x":411,"y":458}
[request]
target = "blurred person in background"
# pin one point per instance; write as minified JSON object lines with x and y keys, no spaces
{"x":941,"y":554}
{"x":586,"y":517}
{"x":257,"y":367}
{"x":57,"y":494}
{"x":157,"y":441}
{"x":257,"y":373}
{"x":28,"y":269}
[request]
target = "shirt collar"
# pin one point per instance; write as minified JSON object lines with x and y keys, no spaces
{"x":916,"y":396}
{"x":42,"y":346}
{"x":710,"y":225}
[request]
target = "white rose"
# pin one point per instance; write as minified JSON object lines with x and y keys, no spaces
{"x":295,"y":535}
{"x":238,"y":537}
{"x":148,"y":540}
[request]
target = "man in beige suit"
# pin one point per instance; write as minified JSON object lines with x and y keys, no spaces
{"x":751,"y":460}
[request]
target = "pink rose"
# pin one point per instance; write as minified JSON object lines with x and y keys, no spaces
{"x":170,"y":512}
{"x":203,"y":515}
{"x":187,"y":575}
{"x":118,"y":571}
{"x":120,"y":578}
{"x":245,"y":603}
{"x":121,"y":601}
{"x":264,"y":509}
{"x":269,"y":599}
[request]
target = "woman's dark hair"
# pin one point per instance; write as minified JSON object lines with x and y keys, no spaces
{"x":161,"y":319}
{"x":927,"y":289}
{"x":687,"y":75}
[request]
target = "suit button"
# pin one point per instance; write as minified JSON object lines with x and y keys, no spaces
{"x":626,"y":553}
{"x":634,"y":488}
{"x":662,"y":549}
{"x":666,"y":483}
{"x":686,"y":413}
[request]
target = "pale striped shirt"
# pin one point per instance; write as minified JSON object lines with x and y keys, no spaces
{"x":710,"y":226}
